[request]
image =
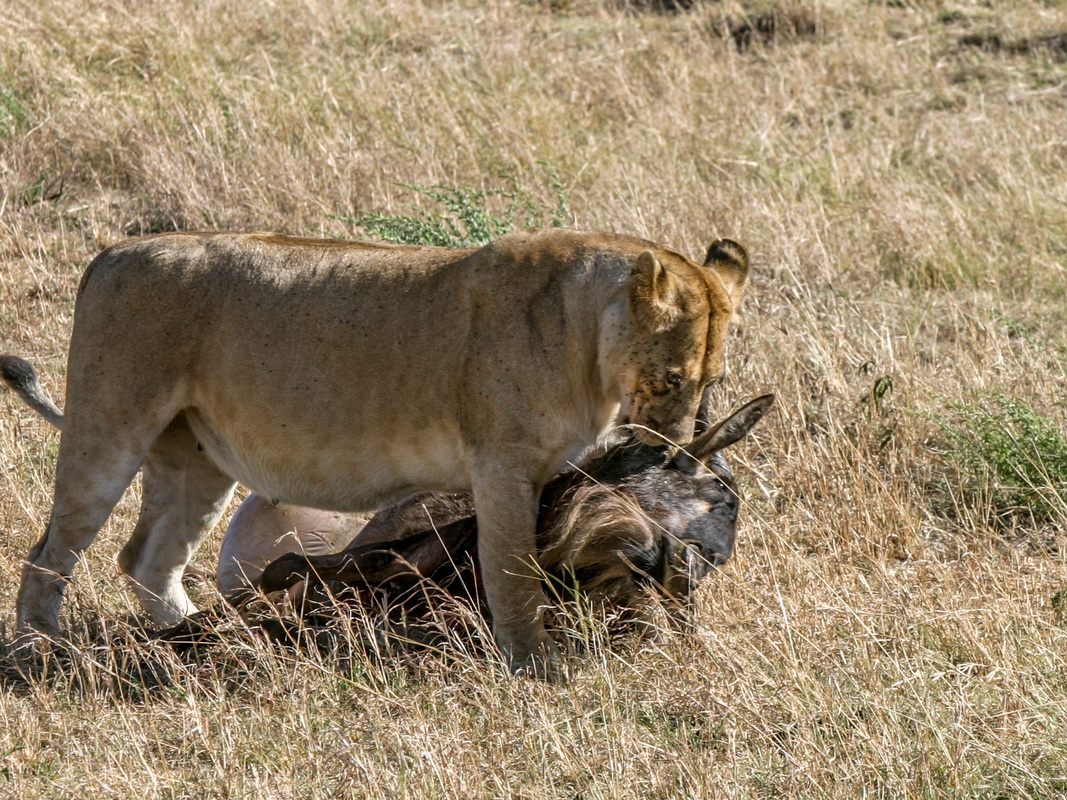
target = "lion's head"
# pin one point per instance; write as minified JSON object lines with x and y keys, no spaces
{"x":678,"y":314}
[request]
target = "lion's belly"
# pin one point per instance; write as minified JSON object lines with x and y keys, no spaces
{"x":349,"y":473}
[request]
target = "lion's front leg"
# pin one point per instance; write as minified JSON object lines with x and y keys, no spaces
{"x":506,"y":508}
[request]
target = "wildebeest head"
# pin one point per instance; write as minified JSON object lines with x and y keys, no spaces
{"x":642,"y":516}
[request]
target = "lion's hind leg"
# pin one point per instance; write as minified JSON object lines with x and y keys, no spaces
{"x":96,"y":464}
{"x":184,"y":494}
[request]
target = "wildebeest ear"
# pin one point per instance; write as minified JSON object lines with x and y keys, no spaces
{"x":655,"y":293}
{"x":732,"y":429}
{"x":729,"y":260}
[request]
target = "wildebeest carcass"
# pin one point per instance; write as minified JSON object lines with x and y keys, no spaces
{"x":634,"y":522}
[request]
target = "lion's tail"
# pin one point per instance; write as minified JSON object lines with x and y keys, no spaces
{"x":22,"y":378}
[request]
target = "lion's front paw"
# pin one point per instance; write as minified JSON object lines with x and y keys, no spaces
{"x":539,"y":659}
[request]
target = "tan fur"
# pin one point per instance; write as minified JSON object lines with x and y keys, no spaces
{"x":346,"y":376}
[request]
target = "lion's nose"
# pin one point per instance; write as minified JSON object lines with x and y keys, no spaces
{"x":679,"y":432}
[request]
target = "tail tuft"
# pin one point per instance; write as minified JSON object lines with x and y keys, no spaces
{"x":20,"y":375}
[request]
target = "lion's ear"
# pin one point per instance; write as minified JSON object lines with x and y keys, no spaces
{"x":655,"y":294}
{"x":729,"y":260}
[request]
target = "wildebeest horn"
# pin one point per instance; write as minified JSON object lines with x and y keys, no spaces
{"x":732,"y":429}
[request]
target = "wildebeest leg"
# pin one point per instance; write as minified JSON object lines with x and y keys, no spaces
{"x":183,"y":496}
{"x":416,"y":536}
{"x":505,"y":504}
{"x":417,"y":554}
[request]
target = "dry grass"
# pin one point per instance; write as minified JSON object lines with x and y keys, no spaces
{"x":900,"y":172}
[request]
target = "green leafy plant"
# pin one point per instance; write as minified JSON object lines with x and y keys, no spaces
{"x":14,"y":116}
{"x":1005,"y":446}
{"x":467,"y":217}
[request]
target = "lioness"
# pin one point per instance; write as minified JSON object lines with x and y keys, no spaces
{"x":347,"y":376}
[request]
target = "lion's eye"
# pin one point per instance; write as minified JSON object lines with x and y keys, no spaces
{"x":674,"y":380}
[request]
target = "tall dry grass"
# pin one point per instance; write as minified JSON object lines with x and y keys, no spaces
{"x":899,"y":171}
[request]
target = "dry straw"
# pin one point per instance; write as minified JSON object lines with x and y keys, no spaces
{"x":899,"y":171}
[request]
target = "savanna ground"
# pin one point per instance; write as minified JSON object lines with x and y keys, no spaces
{"x":891,"y":625}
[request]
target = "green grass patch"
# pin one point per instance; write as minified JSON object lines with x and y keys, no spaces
{"x":1010,"y":451}
{"x":14,"y":115}
{"x":467,"y":217}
